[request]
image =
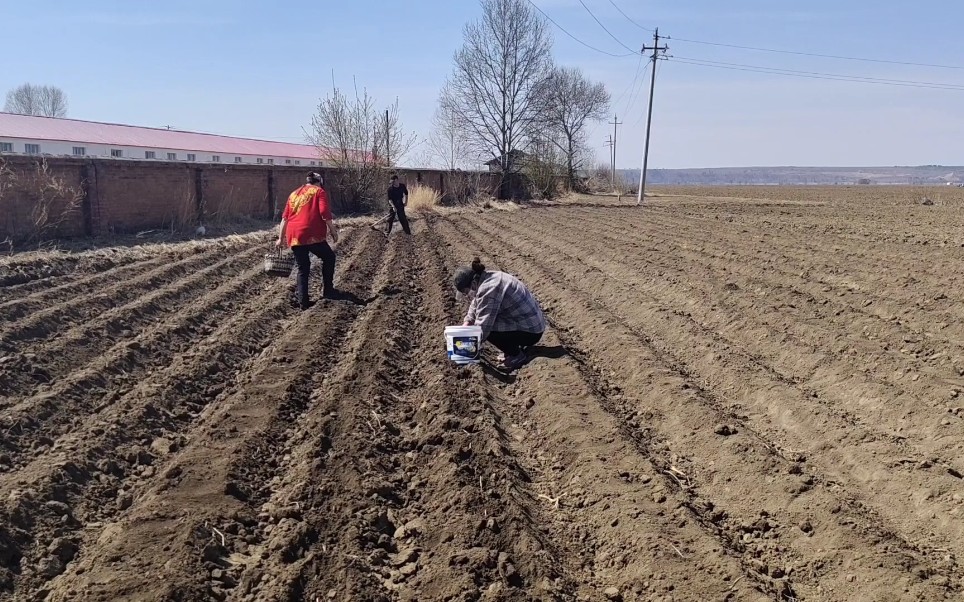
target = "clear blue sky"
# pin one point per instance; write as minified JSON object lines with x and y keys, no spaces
{"x":258,"y":69}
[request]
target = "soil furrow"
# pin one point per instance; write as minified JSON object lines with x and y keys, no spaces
{"x":34,"y":424}
{"x":811,"y":356}
{"x":940,"y":242}
{"x":789,"y":497}
{"x":365,"y":498}
{"x":842,"y":271}
{"x":846,"y":449}
{"x":833,"y":278}
{"x":48,"y":295}
{"x":295,"y":488}
{"x":97,"y":473}
{"x":50,"y":365}
{"x":19,"y":276}
{"x":753,"y":396}
{"x":191,"y":497}
{"x":23,"y":274}
{"x":113,"y":298}
{"x":601,"y":489}
{"x":489,"y":536}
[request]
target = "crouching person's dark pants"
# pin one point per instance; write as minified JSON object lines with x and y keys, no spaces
{"x":303,"y":255}
{"x":512,"y":343}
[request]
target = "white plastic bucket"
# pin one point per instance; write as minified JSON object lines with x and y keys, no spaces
{"x":463,"y":343}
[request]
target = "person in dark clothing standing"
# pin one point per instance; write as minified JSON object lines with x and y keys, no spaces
{"x":398,"y":198}
{"x":306,"y":225}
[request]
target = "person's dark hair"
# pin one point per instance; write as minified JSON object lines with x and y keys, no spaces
{"x":477,"y":266}
{"x":314,"y":178}
{"x":394,"y":177}
{"x":466,"y":277}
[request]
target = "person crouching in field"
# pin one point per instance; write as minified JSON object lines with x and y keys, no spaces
{"x":507,"y":311}
{"x":306,"y":225}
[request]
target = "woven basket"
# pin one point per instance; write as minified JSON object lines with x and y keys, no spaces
{"x":279,"y":264}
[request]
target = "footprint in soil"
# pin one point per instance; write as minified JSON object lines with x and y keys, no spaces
{"x":349,"y":297}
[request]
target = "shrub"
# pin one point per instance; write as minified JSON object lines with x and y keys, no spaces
{"x":53,"y":202}
{"x":423,"y":198}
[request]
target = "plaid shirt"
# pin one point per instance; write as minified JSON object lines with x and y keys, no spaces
{"x":503,"y":304}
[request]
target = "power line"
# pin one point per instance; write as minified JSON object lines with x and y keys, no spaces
{"x":635,"y":96}
{"x":794,"y":52}
{"x":632,"y":85}
{"x":819,"y":75}
{"x":628,"y":19}
{"x":814,"y":54}
{"x":563,"y":29}
{"x":618,"y":41}
{"x":658,"y":67}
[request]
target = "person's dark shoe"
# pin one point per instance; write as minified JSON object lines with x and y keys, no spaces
{"x":516,"y":362}
{"x":308,"y":306}
{"x":332,"y":294}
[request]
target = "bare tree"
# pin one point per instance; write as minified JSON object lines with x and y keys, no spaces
{"x":45,"y":101}
{"x":572,"y":102}
{"x":361,"y":141}
{"x":544,"y":167}
{"x":495,"y":88}
{"x":449,"y":145}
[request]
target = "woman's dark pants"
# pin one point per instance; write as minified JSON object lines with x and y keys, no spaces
{"x":303,"y":255}
{"x":512,"y":343}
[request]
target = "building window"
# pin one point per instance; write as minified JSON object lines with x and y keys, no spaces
{"x":6,"y":147}
{"x":287,"y":161}
{"x":79,"y":151}
{"x":297,"y":162}
{"x":172,"y":156}
{"x":270,"y":161}
{"x":31,"y":149}
{"x":191,"y":157}
{"x":116,"y":152}
{"x":150,"y":155}
{"x":260,"y":160}
{"x":215,"y":158}
{"x":312,"y":163}
{"x":237,"y":159}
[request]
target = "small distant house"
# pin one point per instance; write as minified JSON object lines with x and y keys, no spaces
{"x":516,"y":161}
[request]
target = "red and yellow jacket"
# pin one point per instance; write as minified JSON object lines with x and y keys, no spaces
{"x":306,"y":212}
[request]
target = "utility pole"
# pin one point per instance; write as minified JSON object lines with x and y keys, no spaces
{"x":656,"y":48}
{"x":612,"y":162}
{"x":615,"y":123}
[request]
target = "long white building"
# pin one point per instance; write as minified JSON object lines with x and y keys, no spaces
{"x":48,"y":136}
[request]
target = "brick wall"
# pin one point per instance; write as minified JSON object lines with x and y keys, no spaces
{"x":229,"y":192}
{"x":22,"y":207}
{"x":139,"y":195}
{"x":129,"y":196}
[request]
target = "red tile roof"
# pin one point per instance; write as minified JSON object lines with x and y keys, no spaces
{"x":92,"y":132}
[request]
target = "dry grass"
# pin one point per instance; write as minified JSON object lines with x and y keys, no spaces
{"x":227,"y":209}
{"x":183,"y":214}
{"x":423,"y":198}
{"x":143,"y":251}
{"x":53,"y":203}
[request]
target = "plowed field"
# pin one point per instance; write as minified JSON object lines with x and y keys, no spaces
{"x":736,"y":400}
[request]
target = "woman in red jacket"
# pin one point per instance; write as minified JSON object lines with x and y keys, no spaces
{"x":305,"y":226}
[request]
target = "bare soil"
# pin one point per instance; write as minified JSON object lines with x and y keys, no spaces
{"x":739,"y":398}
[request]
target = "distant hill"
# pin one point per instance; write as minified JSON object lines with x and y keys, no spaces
{"x":921,"y":175}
